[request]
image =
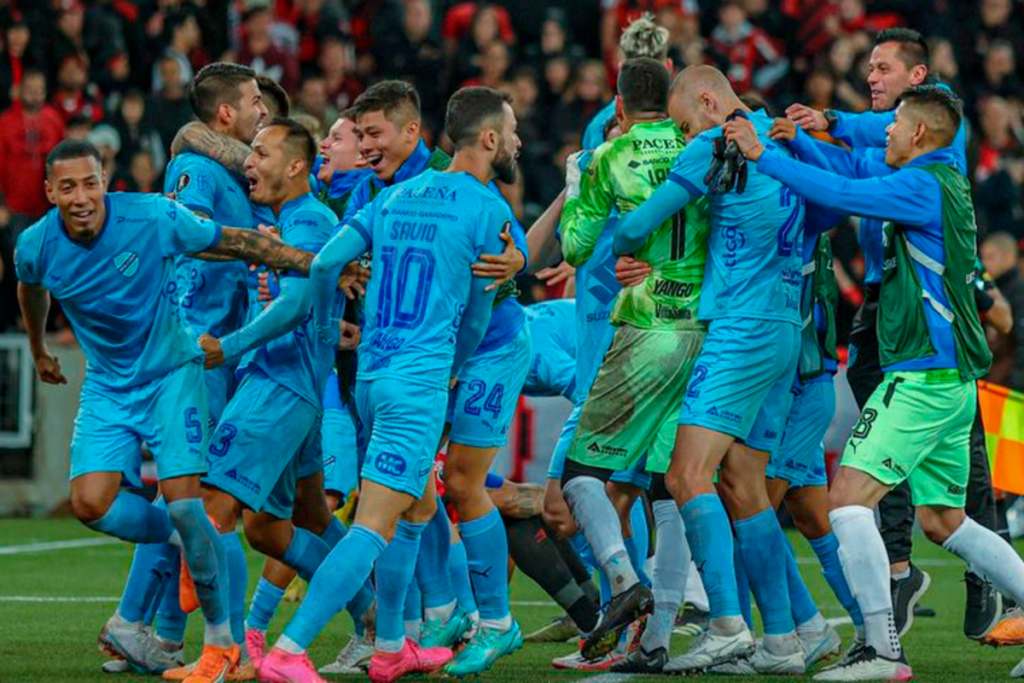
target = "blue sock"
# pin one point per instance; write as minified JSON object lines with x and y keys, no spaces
{"x":305,"y":552}
{"x":170,"y":620}
{"x":583,"y":549}
{"x":827,"y":550}
{"x":710,"y":538}
{"x":432,"y":575}
{"x":207,"y":561}
{"x":144,"y":586}
{"x":334,"y":532}
{"x":264,"y":603}
{"x":640,"y":542}
{"x":762,"y":548}
{"x":167,"y":568}
{"x":743,"y":589}
{"x":800,"y":600}
{"x":458,"y":571}
{"x":487,"y":552}
{"x":133,"y":518}
{"x":413,"y":608}
{"x":238,"y":586}
{"x":395,"y":571}
{"x":341,"y":575}
{"x":358,"y":605}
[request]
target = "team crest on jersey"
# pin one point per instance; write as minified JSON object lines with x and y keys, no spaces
{"x":127,"y":263}
{"x":183,"y":181}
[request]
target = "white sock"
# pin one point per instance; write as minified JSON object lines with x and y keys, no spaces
{"x":596,"y":516}
{"x":218,"y":634}
{"x":866,"y":566}
{"x":440,"y":614}
{"x":671,"y":557}
{"x":694,"y":592}
{"x":392,"y":646}
{"x":412,"y":629}
{"x":814,"y":625}
{"x":900,"y":575}
{"x":989,"y":556}
{"x":289,"y":646}
{"x":502,"y":625}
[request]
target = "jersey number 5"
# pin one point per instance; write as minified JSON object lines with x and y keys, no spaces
{"x":403,"y":304}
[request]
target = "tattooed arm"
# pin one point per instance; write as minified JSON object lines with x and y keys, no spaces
{"x":519,"y":501}
{"x":257,"y":247}
{"x":199,"y":137}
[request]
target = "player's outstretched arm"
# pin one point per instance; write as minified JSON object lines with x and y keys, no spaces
{"x":540,"y":238}
{"x":832,"y":158}
{"x":633,"y":228}
{"x":348,"y":244}
{"x":284,"y":314}
{"x":257,"y":247}
{"x":198,"y":137}
{"x":589,"y":203}
{"x":35,"y":306}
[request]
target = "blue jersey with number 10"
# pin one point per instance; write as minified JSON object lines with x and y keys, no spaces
{"x":425,"y":233}
{"x":754,"y":250}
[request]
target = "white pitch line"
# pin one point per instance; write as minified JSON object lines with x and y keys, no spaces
{"x":607,"y":678}
{"x":44,"y":598}
{"x":57,"y":545}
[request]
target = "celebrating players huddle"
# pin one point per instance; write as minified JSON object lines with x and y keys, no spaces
{"x":278,"y":373}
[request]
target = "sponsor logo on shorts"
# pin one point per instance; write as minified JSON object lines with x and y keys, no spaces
{"x":595,"y":447}
{"x":391,"y":463}
{"x":127,"y":263}
{"x":672,"y":313}
{"x":893,"y":467}
{"x":245,"y":481}
{"x":727,"y":415}
{"x":769,"y":434}
{"x":955,"y":490}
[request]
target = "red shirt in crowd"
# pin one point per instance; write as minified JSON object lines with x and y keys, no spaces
{"x":25,"y":140}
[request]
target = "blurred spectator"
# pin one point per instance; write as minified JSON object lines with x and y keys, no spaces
{"x":136,"y":132}
{"x":997,"y":161}
{"x":943,"y":63}
{"x":78,"y":127}
{"x":315,"y":20}
{"x":998,"y":74}
{"x":751,"y":59}
{"x":557,"y":77}
{"x":182,"y":36}
{"x":259,"y":51}
{"x":75,"y":94}
{"x":170,"y":108}
{"x":274,"y":96}
{"x":105,"y":138}
{"x":994,"y":21}
{"x":843,"y":58}
{"x":337,"y":63}
{"x":485,"y":28}
{"x":999,"y":255}
{"x":19,"y":54}
{"x":554,"y":42}
{"x":687,"y":45}
{"x":588,"y":93}
{"x":28,"y":131}
{"x":616,"y":15}
{"x":412,"y":54}
{"x":494,"y":63}
{"x":313,"y":102}
{"x":461,"y":18}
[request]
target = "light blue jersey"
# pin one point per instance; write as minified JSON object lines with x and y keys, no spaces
{"x":754,"y":249}
{"x":296,"y":359}
{"x":213,"y":294}
{"x":553,"y":360}
{"x":119,"y":291}
{"x":593,"y":135}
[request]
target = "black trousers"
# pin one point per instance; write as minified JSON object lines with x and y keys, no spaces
{"x":897,"y":508}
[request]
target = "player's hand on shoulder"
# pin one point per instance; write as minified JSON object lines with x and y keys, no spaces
{"x":348,"y":336}
{"x":213,"y":350}
{"x":741,"y":131}
{"x":269,"y":286}
{"x":782,"y":130}
{"x":48,"y":368}
{"x":502,"y":267}
{"x":630,"y":271}
{"x":809,"y":119}
{"x":353,"y":280}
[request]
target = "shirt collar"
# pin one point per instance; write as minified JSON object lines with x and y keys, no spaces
{"x":410,"y":168}
{"x":938,"y":156}
{"x":292,"y":205}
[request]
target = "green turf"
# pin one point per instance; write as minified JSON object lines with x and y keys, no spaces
{"x":56,"y":641}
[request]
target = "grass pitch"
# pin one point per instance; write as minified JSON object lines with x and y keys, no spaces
{"x":53,"y":601}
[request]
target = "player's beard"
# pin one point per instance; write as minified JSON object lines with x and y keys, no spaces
{"x":505,"y":168}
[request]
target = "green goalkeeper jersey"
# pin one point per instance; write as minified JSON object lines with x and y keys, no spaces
{"x":623,"y":173}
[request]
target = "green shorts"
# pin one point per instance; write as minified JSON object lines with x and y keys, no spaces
{"x":633,"y":407}
{"x":917,"y":426}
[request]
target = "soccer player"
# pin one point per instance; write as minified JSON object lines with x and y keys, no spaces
{"x":899,"y":61}
{"x":739,"y":393}
{"x":226,"y":98}
{"x":630,"y":411}
{"x":426,"y":232}
{"x":143,"y":380}
{"x":553,"y":334}
{"x":916,"y":426}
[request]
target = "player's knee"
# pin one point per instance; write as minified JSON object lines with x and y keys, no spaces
{"x":422,"y":511}
{"x":262,"y":540}
{"x":89,"y":506}
{"x":222,"y":508}
{"x":939,"y":526}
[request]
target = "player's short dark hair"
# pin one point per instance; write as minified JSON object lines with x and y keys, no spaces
{"x":643,"y":85}
{"x":397,"y":100}
{"x":272,"y":90}
{"x":349,"y":114}
{"x":297,"y":138}
{"x":71,"y":149}
{"x":913,"y":50}
{"x":940,"y":104}
{"x":470,"y":109}
{"x":216,"y":84}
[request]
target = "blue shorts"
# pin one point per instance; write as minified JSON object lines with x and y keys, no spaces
{"x":636,"y":475}
{"x":741,"y":383}
{"x":800,"y":457}
{"x":266,"y":439}
{"x":339,"y":436}
{"x":552,"y":373}
{"x":221,"y":384}
{"x":481,"y":407}
{"x":169,"y":414}
{"x":404,"y":422}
